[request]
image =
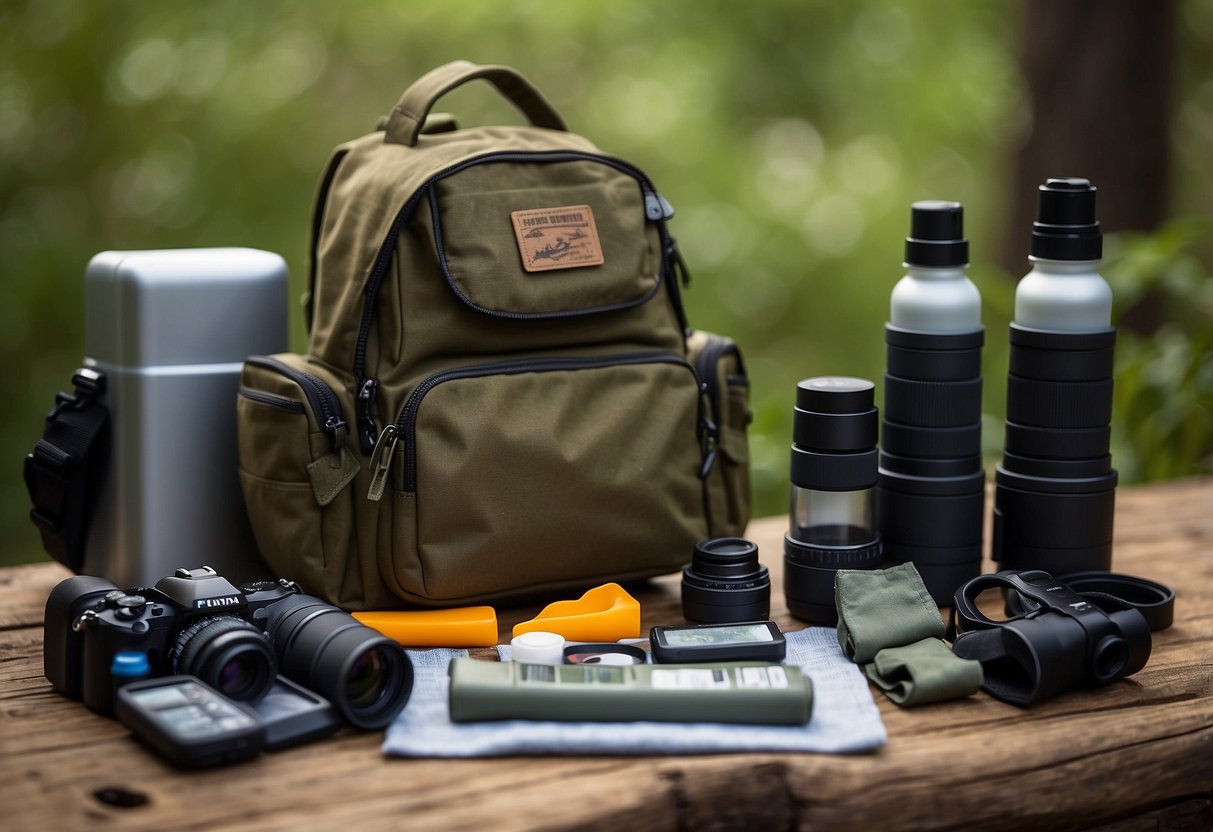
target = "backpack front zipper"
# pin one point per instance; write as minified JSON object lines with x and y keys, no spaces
{"x":405,"y":425}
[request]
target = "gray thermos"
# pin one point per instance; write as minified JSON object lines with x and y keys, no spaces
{"x":171,"y":329}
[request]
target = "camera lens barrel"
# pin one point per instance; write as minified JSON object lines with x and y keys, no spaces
{"x":1055,"y":490}
{"x":724,"y":583}
{"x":833,"y":471}
{"x":366,"y":675}
{"x":930,"y":496}
{"x":229,"y":654}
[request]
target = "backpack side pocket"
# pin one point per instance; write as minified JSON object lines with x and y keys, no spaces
{"x":721,"y":369}
{"x":297,"y":466}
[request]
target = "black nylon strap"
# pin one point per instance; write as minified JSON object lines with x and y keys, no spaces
{"x":1155,"y":601}
{"x":63,"y":473}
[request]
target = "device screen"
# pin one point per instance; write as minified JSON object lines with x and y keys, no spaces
{"x":190,"y":710}
{"x":731,"y":634}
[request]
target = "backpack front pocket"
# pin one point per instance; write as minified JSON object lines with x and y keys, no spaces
{"x":537,"y":474}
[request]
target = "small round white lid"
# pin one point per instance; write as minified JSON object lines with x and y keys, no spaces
{"x":537,"y":648}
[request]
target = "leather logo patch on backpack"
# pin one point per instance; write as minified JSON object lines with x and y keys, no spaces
{"x":557,"y":238}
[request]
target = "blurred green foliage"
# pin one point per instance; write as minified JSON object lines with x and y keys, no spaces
{"x":1164,"y":385}
{"x":790,"y":135}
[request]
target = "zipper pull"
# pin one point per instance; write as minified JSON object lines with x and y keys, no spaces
{"x":680,"y":265}
{"x":656,"y":207}
{"x":710,"y":432}
{"x":366,"y":422}
{"x":381,"y":462}
{"x":337,"y":429}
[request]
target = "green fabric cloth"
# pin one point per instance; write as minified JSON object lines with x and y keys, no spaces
{"x":879,"y":608}
{"x":888,"y":622}
{"x":924,"y":672}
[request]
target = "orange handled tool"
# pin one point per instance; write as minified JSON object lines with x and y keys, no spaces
{"x":460,"y":627}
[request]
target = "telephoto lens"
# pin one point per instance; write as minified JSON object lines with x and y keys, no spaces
{"x":834,"y":468}
{"x":725,"y":584}
{"x":1055,"y":490}
{"x":366,"y":675}
{"x":931,"y":493}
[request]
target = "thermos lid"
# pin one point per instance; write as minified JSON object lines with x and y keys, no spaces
{"x":184,"y":306}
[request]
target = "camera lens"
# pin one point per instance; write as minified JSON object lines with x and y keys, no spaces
{"x":724,"y":583}
{"x":227,"y":653}
{"x":238,"y":673}
{"x":834,"y":469}
{"x":367,"y":678}
{"x":365,"y":675}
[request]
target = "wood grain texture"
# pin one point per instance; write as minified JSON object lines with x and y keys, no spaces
{"x":1137,"y":754}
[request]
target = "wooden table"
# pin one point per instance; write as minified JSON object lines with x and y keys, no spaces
{"x":1137,"y":754}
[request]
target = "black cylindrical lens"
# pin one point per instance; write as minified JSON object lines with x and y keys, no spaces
{"x":724,"y":583}
{"x":229,"y":654}
{"x":932,"y":485}
{"x":834,"y":464}
{"x":1056,"y":489}
{"x":366,"y":675}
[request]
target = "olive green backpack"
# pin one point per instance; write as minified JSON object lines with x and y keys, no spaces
{"x":501,"y":394}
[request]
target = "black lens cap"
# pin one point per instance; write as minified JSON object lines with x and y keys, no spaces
{"x":835,"y":394}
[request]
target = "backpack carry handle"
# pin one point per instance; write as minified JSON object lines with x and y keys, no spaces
{"x":407,"y":117}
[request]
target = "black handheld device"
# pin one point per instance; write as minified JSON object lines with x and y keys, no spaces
{"x":189,"y":723}
{"x":751,"y":641}
{"x":293,"y":715}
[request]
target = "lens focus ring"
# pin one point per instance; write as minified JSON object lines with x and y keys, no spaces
{"x":1059,"y":404}
{"x":227,"y":653}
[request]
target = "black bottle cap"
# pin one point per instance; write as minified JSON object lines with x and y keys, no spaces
{"x":937,"y":235}
{"x":1065,"y":227}
{"x":836,"y":394}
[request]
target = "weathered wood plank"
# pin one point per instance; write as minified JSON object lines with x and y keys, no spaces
{"x":1127,"y":755}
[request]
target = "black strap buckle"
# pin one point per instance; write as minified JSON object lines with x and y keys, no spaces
{"x":88,"y":383}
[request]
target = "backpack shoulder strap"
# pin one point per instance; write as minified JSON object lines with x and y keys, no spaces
{"x":322,"y":198}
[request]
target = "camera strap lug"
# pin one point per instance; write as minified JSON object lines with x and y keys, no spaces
{"x":84,"y":620}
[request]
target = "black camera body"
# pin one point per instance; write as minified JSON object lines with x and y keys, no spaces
{"x":233,"y":639}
